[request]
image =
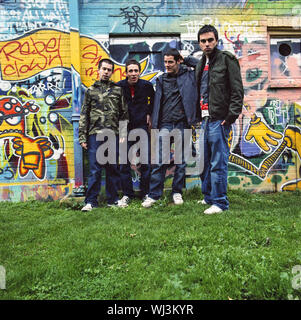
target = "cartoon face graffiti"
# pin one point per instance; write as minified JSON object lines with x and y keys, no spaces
{"x":12,"y":116}
{"x":32,"y":151}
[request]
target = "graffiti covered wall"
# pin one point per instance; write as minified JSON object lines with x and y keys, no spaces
{"x":49,"y":57}
{"x":36,"y":137}
{"x":266,"y":139}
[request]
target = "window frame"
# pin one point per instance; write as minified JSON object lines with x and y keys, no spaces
{"x":281,"y":33}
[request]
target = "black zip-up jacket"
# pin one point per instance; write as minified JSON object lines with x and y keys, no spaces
{"x":187,"y":87}
{"x":226,"y":91}
{"x":141,"y":105}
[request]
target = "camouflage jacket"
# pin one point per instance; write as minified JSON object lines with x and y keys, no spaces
{"x":104,"y":106}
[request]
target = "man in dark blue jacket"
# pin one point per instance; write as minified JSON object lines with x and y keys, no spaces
{"x":139,"y":95}
{"x":175,"y":107}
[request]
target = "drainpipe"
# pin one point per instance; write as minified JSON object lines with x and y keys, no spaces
{"x":76,"y":95}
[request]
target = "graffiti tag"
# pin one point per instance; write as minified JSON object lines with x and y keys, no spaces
{"x":27,"y":56}
{"x":134,"y":17}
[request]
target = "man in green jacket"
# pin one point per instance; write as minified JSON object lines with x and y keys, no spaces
{"x":104,"y":106}
{"x":220,"y":91}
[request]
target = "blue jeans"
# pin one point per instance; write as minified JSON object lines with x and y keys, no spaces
{"x":94,"y":179}
{"x":126,"y":176}
{"x":216,"y":156}
{"x":159,"y":170}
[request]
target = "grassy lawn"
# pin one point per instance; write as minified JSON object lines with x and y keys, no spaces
{"x":51,"y":250}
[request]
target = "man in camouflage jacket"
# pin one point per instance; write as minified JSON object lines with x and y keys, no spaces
{"x":104,"y":106}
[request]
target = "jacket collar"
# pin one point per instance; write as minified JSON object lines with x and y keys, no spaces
{"x":136,"y":85}
{"x":99,"y":83}
{"x":212,"y":56}
{"x":182,"y":69}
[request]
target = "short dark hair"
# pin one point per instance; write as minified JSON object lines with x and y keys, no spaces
{"x":132,"y":61}
{"x":207,"y":28}
{"x":173,"y":52}
{"x":106,"y":60}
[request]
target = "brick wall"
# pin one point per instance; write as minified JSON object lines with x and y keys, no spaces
{"x":49,"y":53}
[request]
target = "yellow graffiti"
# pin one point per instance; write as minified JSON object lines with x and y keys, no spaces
{"x":92,"y":52}
{"x":291,"y":140}
{"x":262,"y":134}
{"x":39,"y":51}
{"x":47,"y":49}
{"x":292,"y":185}
{"x":32,"y":153}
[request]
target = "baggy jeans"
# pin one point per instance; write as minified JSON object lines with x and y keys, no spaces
{"x":159,"y":170}
{"x":216,"y":156}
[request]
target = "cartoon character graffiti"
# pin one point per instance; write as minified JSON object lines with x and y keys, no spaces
{"x":32,"y":152}
{"x":269,"y":131}
{"x":291,"y":140}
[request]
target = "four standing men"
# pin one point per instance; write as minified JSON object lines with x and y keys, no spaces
{"x":218,"y":87}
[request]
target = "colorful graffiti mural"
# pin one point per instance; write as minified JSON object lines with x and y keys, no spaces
{"x":43,"y":79}
{"x":35,"y":106}
{"x":267,"y":146}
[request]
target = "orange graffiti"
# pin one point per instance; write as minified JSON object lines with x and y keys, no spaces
{"x":33,"y":153}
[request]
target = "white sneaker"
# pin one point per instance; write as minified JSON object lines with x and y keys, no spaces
{"x":148,"y":202}
{"x":145,"y":197}
{"x":123,"y":202}
{"x":87,"y":207}
{"x":202,"y":201}
{"x":177,"y":198}
{"x":213,"y":209}
{"x":113,"y":205}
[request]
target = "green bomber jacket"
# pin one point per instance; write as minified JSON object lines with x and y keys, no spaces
{"x":225,"y":84}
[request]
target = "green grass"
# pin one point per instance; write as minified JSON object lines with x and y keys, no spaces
{"x":52,"y":250}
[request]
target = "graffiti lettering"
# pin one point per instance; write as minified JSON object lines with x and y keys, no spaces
{"x":41,"y":87}
{"x":232,"y":29}
{"x":35,"y":4}
{"x":20,"y":27}
{"x":7,"y":173}
{"x":277,"y":113}
{"x":91,"y":53}
{"x":30,"y":15}
{"x":41,"y":54}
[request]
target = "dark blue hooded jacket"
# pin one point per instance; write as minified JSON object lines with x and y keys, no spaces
{"x":142,"y":103}
{"x":188,"y":91}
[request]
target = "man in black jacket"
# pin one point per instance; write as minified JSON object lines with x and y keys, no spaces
{"x":220,"y":92}
{"x":139,"y":95}
{"x":174,"y":108}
